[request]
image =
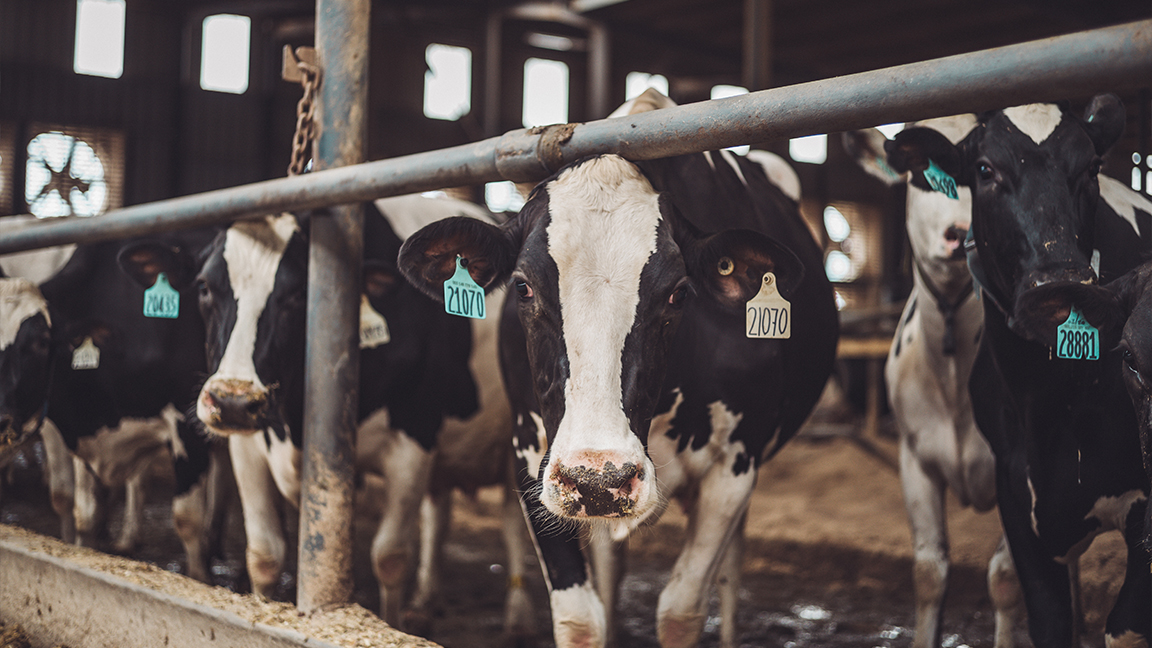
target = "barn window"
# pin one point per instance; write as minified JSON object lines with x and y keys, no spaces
{"x":99,"y":38}
{"x":224,"y":53}
{"x":812,"y":149}
{"x":723,"y":92}
{"x":1138,"y":174}
{"x":545,"y":92}
{"x":637,"y":82}
{"x":447,"y":82}
{"x":73,"y":171}
{"x":503,"y":197}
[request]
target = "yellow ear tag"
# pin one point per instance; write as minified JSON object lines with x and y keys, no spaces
{"x":86,"y":356}
{"x":373,"y":326}
{"x":768,"y":314}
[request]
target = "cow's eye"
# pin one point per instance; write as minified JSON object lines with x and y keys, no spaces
{"x":985,"y":171}
{"x":523,"y":289}
{"x":676,"y":299}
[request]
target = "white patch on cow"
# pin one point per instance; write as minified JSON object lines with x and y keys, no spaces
{"x":252,"y":252}
{"x":19,"y":300}
{"x":1037,"y":121}
{"x":604,"y":218}
{"x":730,"y":158}
{"x":1123,"y":200}
{"x":1112,"y":511}
{"x":532,"y":456}
{"x":708,"y":158}
{"x":954,"y":127}
{"x":649,"y":100}
{"x":779,"y":172}
{"x":1129,"y":639}
{"x":1095,"y":262}
{"x":578,"y":616}
{"x":36,"y":266}
{"x":171,"y":416}
{"x":1032,"y":494}
{"x":930,"y":214}
{"x":408,"y":214}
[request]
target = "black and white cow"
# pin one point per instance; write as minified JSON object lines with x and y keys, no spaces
{"x":1045,"y":231}
{"x":252,"y":297}
{"x":927,"y":378}
{"x":626,"y":358}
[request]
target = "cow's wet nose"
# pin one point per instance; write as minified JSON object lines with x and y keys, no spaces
{"x":235,"y":405}
{"x":605,"y":490}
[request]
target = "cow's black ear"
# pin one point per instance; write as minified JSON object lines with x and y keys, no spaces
{"x":1104,"y":120}
{"x":380,"y":279}
{"x":730,"y":266}
{"x":145,"y":260}
{"x":913,"y":148}
{"x":428,"y":257}
{"x":1130,"y":287}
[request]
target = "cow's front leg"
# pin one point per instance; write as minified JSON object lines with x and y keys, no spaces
{"x":609,"y":560}
{"x":61,"y":479}
{"x":260,"y":503}
{"x":713,"y":518}
{"x":728,"y":584}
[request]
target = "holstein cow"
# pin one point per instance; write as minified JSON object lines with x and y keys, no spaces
{"x":252,"y":297}
{"x":927,"y":377}
{"x":626,"y":356}
{"x":1046,"y":385}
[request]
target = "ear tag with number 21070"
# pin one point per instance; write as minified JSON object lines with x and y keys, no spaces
{"x":1076,"y":339}
{"x":161,"y":300}
{"x":768,"y":315}
{"x":462,"y":296}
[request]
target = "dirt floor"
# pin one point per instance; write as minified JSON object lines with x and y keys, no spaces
{"x":828,"y":561}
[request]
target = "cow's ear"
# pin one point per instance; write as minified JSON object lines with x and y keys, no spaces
{"x":730,"y":266}
{"x":913,"y":148}
{"x":866,"y":147}
{"x":428,"y":257}
{"x":145,"y":260}
{"x":1104,"y":120}
{"x":1130,"y":287}
{"x":380,"y":279}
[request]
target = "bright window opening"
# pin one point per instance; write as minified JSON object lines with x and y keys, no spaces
{"x":502,"y":197}
{"x":839,"y":267}
{"x":447,"y":82}
{"x":637,"y":82}
{"x":99,"y":38}
{"x":545,"y":92}
{"x":224,"y":54}
{"x":890,"y":130}
{"x":723,"y":92}
{"x":812,"y":149}
{"x":836,"y":225}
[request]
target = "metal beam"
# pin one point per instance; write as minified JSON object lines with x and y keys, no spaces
{"x":332,"y":364}
{"x":1114,"y":58}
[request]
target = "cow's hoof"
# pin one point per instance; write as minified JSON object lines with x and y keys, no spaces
{"x":417,"y":622}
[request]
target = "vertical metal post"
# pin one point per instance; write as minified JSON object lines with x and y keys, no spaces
{"x":757,"y":73}
{"x":493,"y":59}
{"x":598,"y":72}
{"x":332,"y":368}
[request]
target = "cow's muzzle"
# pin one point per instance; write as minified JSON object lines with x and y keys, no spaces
{"x":1040,"y":310}
{"x":228,"y":406}
{"x":596,"y":485}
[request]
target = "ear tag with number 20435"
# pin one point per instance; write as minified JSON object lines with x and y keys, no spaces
{"x":768,"y":315}
{"x":1076,"y":339}
{"x":462,"y":296}
{"x":161,"y":300}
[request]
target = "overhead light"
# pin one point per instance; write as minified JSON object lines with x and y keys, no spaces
{"x":550,"y":42}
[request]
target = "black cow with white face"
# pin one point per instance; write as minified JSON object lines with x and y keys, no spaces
{"x":1046,"y":230}
{"x":25,"y":346}
{"x":626,"y":358}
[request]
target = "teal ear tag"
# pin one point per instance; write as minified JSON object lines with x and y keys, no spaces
{"x":461,"y":294}
{"x":1076,"y":339}
{"x":940,"y":181}
{"x":161,"y":300}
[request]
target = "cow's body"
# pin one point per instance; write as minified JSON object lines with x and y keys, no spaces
{"x":252,"y":298}
{"x":1063,"y":433}
{"x":625,"y":390}
{"x":927,"y":374}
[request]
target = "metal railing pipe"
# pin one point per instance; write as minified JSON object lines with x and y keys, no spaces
{"x":1113,"y":58}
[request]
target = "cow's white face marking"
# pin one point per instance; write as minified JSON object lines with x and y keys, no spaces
{"x":604,"y":218}
{"x":1037,"y":121}
{"x":532,"y":456}
{"x":252,"y":252}
{"x":19,"y":300}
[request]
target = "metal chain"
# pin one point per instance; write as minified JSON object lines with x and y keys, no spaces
{"x":305,"y":124}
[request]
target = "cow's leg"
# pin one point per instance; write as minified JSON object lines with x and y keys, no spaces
{"x":728,"y":584}
{"x":1004,"y":590}
{"x":924,"y":501}
{"x":406,"y":467}
{"x":129,"y":535}
{"x":219,"y":495}
{"x":435,"y":519}
{"x":609,"y":558}
{"x":519,"y":617}
{"x":713,"y":519}
{"x":88,"y":507}
{"x":260,"y":504}
{"x":1129,"y":624}
{"x":61,"y":479}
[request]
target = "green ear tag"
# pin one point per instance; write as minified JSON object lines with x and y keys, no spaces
{"x":161,"y":300}
{"x":768,"y":315}
{"x":1076,"y":339}
{"x":940,"y":181}
{"x":461,"y":294}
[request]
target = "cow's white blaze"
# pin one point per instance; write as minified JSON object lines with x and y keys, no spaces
{"x":252,"y":252}
{"x":19,"y":300}
{"x":1037,"y":121}
{"x":604,"y":217}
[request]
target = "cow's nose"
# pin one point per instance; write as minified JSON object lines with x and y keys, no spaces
{"x":604,"y":490}
{"x":235,"y":404}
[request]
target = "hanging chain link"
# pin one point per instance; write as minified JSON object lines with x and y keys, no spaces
{"x":305,"y":118}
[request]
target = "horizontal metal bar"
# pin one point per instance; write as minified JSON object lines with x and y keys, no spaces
{"x":1113,"y":58}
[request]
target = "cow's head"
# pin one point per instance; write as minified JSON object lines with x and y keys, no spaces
{"x":251,"y":290}
{"x":1033,"y":174}
{"x":1134,"y":293}
{"x":25,"y":358}
{"x":602,"y":268}
{"x":937,"y":223}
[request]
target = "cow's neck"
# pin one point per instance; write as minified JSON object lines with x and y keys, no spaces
{"x":947,"y":306}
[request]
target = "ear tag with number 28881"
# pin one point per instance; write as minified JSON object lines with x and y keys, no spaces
{"x":462,"y":296}
{"x":1076,"y":339}
{"x":768,"y":315}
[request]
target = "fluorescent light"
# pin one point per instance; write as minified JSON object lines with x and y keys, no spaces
{"x":99,"y":38}
{"x":224,"y":53}
{"x":550,"y":41}
{"x":812,"y":149}
{"x":447,"y":82}
{"x":545,"y":92}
